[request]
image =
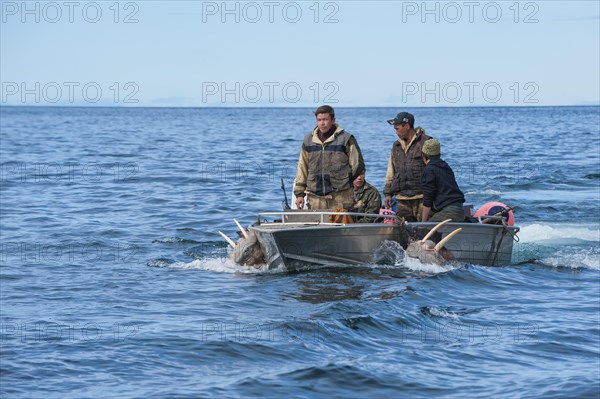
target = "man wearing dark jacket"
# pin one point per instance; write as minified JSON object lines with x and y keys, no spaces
{"x":440,"y":190}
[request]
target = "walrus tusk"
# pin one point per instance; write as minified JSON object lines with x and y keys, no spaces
{"x":229,"y":240}
{"x":243,"y":230}
{"x":435,"y":228}
{"x":441,"y":244}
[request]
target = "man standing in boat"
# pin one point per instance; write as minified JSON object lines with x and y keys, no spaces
{"x":330,"y":161}
{"x":440,"y":190}
{"x":403,"y":177}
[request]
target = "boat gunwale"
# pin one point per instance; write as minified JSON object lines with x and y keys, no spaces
{"x":281,"y":224}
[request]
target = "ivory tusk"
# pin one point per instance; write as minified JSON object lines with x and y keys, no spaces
{"x":243,"y":230}
{"x":441,"y":244}
{"x":229,"y":240}
{"x":435,"y":228}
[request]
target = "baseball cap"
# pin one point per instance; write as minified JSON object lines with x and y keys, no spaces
{"x":402,"y":117}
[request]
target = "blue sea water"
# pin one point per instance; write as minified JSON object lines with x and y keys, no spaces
{"x":115,"y":283}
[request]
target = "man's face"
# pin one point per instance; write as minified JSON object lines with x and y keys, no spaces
{"x":402,"y":130}
{"x":324,"y":122}
{"x":359,"y":181}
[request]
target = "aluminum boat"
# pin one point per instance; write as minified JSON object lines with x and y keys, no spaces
{"x":296,"y":238}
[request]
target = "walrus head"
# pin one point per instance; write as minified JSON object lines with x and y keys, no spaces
{"x":428,"y":251}
{"x":247,"y":251}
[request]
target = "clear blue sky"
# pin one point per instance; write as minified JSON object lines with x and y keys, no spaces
{"x":302,"y":53}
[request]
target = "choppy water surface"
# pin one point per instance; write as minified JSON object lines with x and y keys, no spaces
{"x":115,"y":283}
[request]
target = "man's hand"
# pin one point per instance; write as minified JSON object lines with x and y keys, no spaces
{"x":359,"y":206}
{"x":388,"y":201}
{"x":425,"y":214}
{"x":300,"y":202}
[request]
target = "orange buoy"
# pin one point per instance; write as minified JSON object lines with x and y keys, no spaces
{"x":496,"y":209}
{"x":383,"y":211}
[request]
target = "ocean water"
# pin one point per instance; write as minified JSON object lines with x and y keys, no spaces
{"x":115,"y":283}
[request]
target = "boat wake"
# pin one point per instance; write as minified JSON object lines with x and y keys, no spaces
{"x":559,"y":233}
{"x":223,"y":266}
{"x":574,"y":258}
{"x":415,"y":265}
{"x":564,"y":245}
{"x":553,"y":245}
{"x":391,"y":255}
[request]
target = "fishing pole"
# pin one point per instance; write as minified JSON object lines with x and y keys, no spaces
{"x":285,"y":203}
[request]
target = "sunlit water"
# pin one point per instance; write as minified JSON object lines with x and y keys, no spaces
{"x":115,"y":283}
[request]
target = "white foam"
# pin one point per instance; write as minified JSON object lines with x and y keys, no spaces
{"x":225,"y":265}
{"x":392,"y":251}
{"x":561,"y":233}
{"x":584,"y":258}
{"x":440,"y":312}
{"x":416,"y":265}
{"x":488,"y":191}
{"x":222,"y":266}
{"x":172,"y":240}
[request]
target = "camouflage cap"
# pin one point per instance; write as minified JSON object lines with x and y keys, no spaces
{"x":431,"y":147}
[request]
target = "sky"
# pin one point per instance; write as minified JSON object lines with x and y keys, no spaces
{"x":299,"y":53}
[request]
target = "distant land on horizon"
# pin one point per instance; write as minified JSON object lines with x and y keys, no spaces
{"x":85,"y":105}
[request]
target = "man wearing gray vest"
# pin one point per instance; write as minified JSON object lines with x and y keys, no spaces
{"x":330,"y":160}
{"x":403,"y":177}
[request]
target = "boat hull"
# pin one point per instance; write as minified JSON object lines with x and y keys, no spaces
{"x":293,"y":244}
{"x":344,"y":245}
{"x":480,"y":244}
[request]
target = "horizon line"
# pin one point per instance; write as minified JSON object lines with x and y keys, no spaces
{"x":288,"y":107}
